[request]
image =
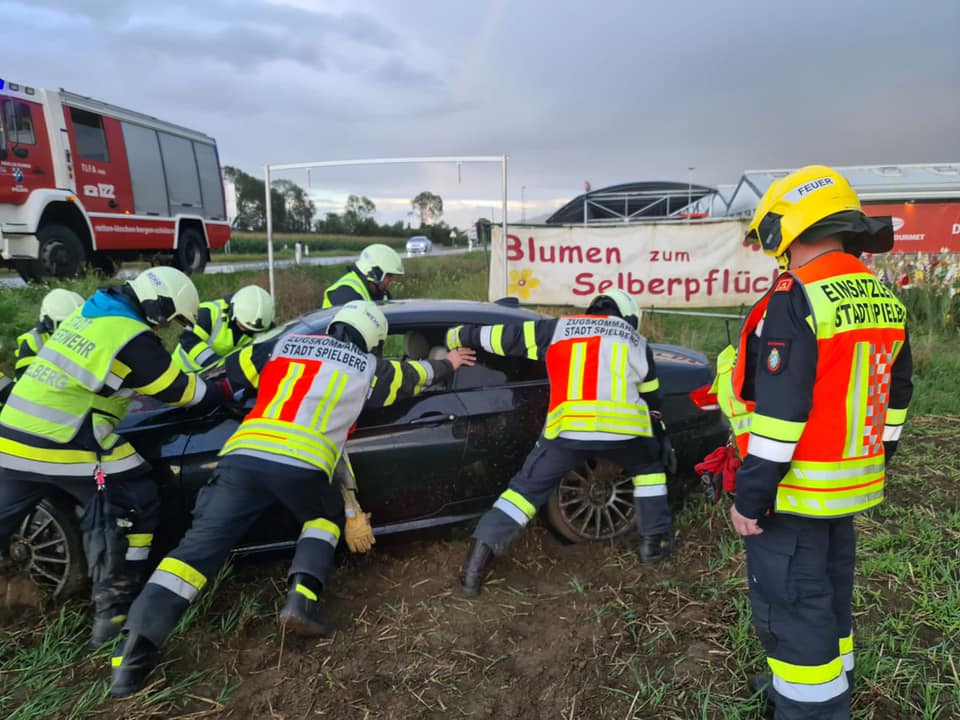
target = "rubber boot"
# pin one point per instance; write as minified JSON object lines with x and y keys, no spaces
{"x":106,"y":626}
{"x":300,"y":613}
{"x":761,"y":685}
{"x":655,"y":547}
{"x":131,"y":664}
{"x":475,"y":568}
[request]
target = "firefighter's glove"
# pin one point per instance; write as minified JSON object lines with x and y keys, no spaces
{"x":667,"y":456}
{"x":358,"y":532}
{"x":453,"y":337}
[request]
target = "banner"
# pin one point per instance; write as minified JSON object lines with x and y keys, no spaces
{"x":922,"y":227}
{"x":664,"y":265}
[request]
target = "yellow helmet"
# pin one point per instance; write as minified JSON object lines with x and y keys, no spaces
{"x":57,"y":306}
{"x":817,"y":201}
{"x":251,"y":307}
{"x":166,"y":294}
{"x":626,"y":306}
{"x":378,"y":260}
{"x":366,"y":319}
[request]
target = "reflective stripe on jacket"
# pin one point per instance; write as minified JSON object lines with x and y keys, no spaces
{"x":596,"y":366}
{"x":352,"y":280}
{"x":28,"y":345}
{"x":836,"y":457}
{"x":208,"y":344}
{"x":73,"y":379}
{"x":311,"y":392}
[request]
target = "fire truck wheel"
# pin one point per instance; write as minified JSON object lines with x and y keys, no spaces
{"x":105,"y":265}
{"x":191,"y":253}
{"x":61,"y":252}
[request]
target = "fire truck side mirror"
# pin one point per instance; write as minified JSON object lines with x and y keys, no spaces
{"x":3,"y":153}
{"x":21,"y":152}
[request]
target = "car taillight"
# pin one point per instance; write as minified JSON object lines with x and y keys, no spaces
{"x":704,"y":399}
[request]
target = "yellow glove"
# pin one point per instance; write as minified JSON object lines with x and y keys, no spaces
{"x":358,"y":533}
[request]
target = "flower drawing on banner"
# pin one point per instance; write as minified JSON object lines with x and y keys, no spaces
{"x":521,"y":283}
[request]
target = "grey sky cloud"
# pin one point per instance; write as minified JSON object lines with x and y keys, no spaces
{"x":609,"y":92}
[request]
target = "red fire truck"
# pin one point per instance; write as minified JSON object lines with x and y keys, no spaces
{"x":82,"y":181}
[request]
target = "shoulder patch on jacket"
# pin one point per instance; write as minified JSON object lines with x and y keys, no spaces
{"x":784,"y":284}
{"x":776,"y":352}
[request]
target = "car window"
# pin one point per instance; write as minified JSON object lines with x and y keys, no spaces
{"x":493,"y":370}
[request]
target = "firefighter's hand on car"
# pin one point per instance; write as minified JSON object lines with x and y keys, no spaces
{"x":744,"y":525}
{"x":462,"y":356}
{"x":358,"y":532}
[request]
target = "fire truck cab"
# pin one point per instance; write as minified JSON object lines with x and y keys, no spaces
{"x":84,"y":182}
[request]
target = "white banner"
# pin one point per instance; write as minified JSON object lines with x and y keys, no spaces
{"x":665,"y":265}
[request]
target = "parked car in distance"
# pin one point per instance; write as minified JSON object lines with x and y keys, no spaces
{"x":419,"y":245}
{"x":437,"y":459}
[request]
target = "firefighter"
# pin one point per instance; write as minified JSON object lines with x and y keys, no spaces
{"x":6,"y":385}
{"x":223,"y":326}
{"x":311,"y":391}
{"x":820,"y":387}
{"x":368,"y":279}
{"x":57,"y":428}
{"x":604,"y":401}
{"x":57,"y":306}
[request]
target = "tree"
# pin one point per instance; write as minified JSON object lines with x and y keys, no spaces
{"x":298,"y":209}
{"x":358,"y":215}
{"x":292,"y":210}
{"x":428,"y":206}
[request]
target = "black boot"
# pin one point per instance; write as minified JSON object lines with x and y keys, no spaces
{"x":760,"y":685}
{"x":131,"y":664}
{"x":107,"y":624}
{"x":299,"y":612}
{"x":655,"y":547}
{"x":475,"y":567}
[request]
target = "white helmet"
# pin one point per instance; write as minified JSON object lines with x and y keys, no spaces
{"x":378,"y":260}
{"x":166,"y":294}
{"x":623,"y":304}
{"x":251,"y":307}
{"x":57,"y":306}
{"x":367,"y":319}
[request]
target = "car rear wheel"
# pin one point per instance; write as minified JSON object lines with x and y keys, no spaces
{"x":49,"y":547}
{"x":593,"y":502}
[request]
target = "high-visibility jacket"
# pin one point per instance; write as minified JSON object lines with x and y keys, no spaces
{"x":28,"y":345}
{"x":61,"y":415}
{"x":351,"y":286}
{"x":311,"y":391}
{"x":210,"y":338}
{"x":835,"y":456}
{"x":601,"y":371}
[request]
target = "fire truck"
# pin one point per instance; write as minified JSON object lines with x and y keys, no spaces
{"x":83,"y":182}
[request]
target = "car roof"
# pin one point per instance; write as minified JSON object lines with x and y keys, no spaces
{"x":428,"y":311}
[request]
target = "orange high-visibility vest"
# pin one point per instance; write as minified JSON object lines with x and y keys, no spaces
{"x":836,"y":457}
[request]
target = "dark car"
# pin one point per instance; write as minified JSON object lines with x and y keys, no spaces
{"x":437,"y":459}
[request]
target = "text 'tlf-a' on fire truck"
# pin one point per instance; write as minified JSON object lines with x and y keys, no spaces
{"x":82,"y":181}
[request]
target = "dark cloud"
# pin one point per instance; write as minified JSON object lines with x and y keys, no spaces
{"x":610,"y":92}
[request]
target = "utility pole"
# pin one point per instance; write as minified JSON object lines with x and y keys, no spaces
{"x":690,"y":170}
{"x":523,"y":205}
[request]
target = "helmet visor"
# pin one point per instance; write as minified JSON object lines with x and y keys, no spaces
{"x":767,"y":233}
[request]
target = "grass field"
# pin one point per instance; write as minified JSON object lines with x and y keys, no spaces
{"x":561,"y":631}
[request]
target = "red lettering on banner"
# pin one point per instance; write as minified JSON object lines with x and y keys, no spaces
{"x":655,"y":286}
{"x":716,"y":282}
{"x":533,"y":252}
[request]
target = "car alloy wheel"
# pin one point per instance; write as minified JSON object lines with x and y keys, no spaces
{"x":594,"y":502}
{"x":49,"y":549}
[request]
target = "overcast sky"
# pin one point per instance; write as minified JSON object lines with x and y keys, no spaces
{"x":602,"y":91}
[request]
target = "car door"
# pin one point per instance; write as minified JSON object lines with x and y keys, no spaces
{"x":506,"y":401}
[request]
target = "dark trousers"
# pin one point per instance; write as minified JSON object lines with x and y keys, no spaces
{"x":546,"y":466}
{"x":226,"y":508}
{"x":135,"y":503}
{"x":800,"y":572}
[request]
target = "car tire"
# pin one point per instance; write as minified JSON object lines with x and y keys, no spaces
{"x":593,"y":502}
{"x":191,"y":253}
{"x":61,"y":255}
{"x":49,"y":547}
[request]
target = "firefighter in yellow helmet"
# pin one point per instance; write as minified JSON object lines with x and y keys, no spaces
{"x":223,"y":326}
{"x":57,"y":429}
{"x":821,"y":382}
{"x":604,"y":402}
{"x":369,"y":278}
{"x":269,"y":460}
{"x":57,"y":306}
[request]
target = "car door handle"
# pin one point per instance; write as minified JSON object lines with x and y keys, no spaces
{"x":432,"y":417}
